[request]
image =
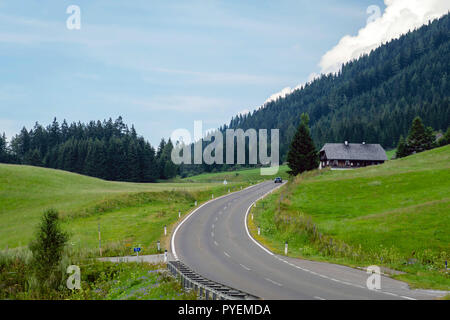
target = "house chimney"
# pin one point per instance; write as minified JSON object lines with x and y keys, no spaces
{"x":346,"y":143}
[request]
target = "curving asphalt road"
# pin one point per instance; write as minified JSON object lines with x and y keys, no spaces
{"x":214,"y":242}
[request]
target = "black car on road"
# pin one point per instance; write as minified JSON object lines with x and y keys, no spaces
{"x":278,"y":180}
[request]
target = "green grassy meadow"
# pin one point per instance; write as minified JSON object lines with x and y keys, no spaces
{"x":396,"y":215}
{"x":129,"y":214}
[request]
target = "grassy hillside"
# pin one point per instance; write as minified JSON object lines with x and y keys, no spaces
{"x":396,"y":215}
{"x":391,"y":153}
{"x":247,"y":175}
{"x":129,"y":213}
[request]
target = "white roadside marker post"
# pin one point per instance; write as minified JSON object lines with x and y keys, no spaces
{"x":165,"y":255}
{"x":179,"y":214}
{"x":99,"y":240}
{"x":285,"y":248}
{"x":195,"y":202}
{"x":158,"y":245}
{"x":259,"y":231}
{"x":212,"y":196}
{"x":165,"y":230}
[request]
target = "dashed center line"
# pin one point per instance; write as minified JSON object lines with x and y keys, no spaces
{"x":274,"y":282}
{"x":245,"y":267}
{"x":226,"y":254}
{"x":215,"y":242}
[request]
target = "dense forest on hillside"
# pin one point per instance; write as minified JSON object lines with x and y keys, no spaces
{"x":372,"y":99}
{"x":107,"y":150}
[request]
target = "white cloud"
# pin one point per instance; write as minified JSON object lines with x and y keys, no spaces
{"x":399,"y":17}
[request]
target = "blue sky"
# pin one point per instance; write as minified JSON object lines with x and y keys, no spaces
{"x":161,"y":64}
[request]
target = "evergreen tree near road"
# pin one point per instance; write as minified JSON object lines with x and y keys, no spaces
{"x":302,"y":155}
{"x":48,"y":249}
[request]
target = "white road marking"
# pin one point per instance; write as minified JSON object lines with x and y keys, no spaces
{"x":318,"y":298}
{"x":340,"y":281}
{"x":246,"y":268}
{"x":246,"y":225}
{"x":212,"y":234}
{"x":391,"y":294}
{"x":216,"y":219}
{"x":215,"y":242}
{"x":212,"y":226}
{"x":226,"y":254}
{"x":172,"y":242}
{"x":274,"y":282}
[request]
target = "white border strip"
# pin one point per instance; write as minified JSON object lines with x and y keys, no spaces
{"x":172,"y":242}
{"x":246,"y":217}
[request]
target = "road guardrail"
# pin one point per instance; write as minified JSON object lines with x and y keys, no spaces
{"x":206,"y":289}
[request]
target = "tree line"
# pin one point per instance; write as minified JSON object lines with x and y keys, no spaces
{"x":107,"y":150}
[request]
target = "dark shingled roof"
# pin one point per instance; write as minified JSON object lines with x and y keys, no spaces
{"x":354,"y":151}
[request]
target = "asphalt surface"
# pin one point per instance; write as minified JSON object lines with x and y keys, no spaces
{"x":214,"y":242}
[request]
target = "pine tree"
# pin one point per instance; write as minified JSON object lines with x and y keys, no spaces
{"x":169,"y":169}
{"x":47,"y":249}
{"x":401,"y":148}
{"x":133,"y":163}
{"x":4,"y":157}
{"x":302,"y":155}
{"x":34,"y":158}
{"x":419,"y":138}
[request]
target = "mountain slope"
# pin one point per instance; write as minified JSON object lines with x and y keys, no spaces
{"x":372,"y":99}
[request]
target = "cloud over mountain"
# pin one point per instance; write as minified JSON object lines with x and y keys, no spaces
{"x":399,"y":17}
